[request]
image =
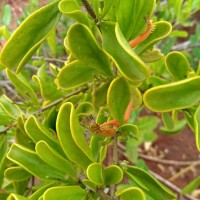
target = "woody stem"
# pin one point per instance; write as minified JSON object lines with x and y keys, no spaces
{"x":90,"y":10}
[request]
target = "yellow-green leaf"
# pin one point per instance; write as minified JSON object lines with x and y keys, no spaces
{"x":118,"y":98}
{"x":75,"y":74}
{"x":86,"y":48}
{"x":173,"y":96}
{"x":177,"y":65}
{"x":29,"y":35}
{"x":65,"y":193}
{"x":116,"y":46}
{"x":63,"y":127}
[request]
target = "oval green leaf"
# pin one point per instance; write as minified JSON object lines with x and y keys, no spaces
{"x":63,"y":127}
{"x":131,"y":193}
{"x":50,"y":156}
{"x":86,"y":49}
{"x":23,"y":87}
{"x":118,"y":98}
{"x":31,"y":162}
{"x":173,"y":96}
{"x":95,"y":173}
{"x":65,"y":192}
{"x":37,"y":132}
{"x":75,"y":74}
{"x":177,"y":65}
{"x":72,"y":9}
{"x":112,"y":175}
{"x":16,"y":197}
{"x":29,"y":35}
{"x":116,"y":46}
{"x":162,"y":30}
{"x":16,"y":174}
{"x":148,"y":183}
{"x":131,"y":16}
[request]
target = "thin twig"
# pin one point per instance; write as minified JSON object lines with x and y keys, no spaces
{"x":163,"y":161}
{"x":49,"y":59}
{"x":172,"y":186}
{"x":185,"y":170}
{"x":47,"y":107}
{"x":59,"y":100}
{"x":163,"y":180}
{"x":90,"y":10}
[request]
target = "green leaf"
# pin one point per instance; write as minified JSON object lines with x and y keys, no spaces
{"x":99,"y":95}
{"x":6,"y":14}
{"x":177,"y":65}
{"x":39,"y":192}
{"x":178,"y":127}
{"x":50,"y":156}
{"x":85,"y":107}
{"x":63,"y":127}
{"x":116,"y":46}
{"x":162,"y":30}
{"x":86,"y":48}
{"x":75,"y":74}
{"x":167,"y":120}
{"x":131,"y":129}
{"x":48,"y":88}
{"x":23,"y":88}
{"x":173,"y":96}
{"x":37,"y":131}
{"x":131,"y":15}
{"x":107,"y":6}
{"x":29,"y":35}
{"x":150,"y":56}
{"x":16,"y":197}
{"x":191,"y":186}
{"x":116,"y":100}
{"x":95,"y":173}
{"x":197,"y":127}
{"x":112,"y":175}
{"x":31,"y":162}
{"x":72,"y":9}
{"x":178,"y":33}
{"x":131,"y":193}
{"x":77,"y":133}
{"x":148,"y":183}
{"x":16,"y":174}
{"x":11,"y":108}
{"x":65,"y":192}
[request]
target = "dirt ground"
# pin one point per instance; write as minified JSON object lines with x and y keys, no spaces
{"x":179,"y":147}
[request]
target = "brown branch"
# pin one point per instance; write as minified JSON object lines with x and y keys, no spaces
{"x":163,"y":161}
{"x":172,"y":186}
{"x":161,"y":179}
{"x":90,"y":10}
{"x":4,"y":131}
{"x":185,"y":170}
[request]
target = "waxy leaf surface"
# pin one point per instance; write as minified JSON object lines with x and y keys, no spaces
{"x":31,"y":162}
{"x":148,"y":183}
{"x":118,"y":98}
{"x":75,"y":74}
{"x":29,"y":35}
{"x":116,"y":46}
{"x":177,"y":65}
{"x":65,"y":192}
{"x":173,"y":96}
{"x":71,"y":149}
{"x":86,"y":49}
